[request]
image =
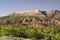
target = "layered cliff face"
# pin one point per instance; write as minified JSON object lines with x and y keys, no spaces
{"x":48,"y":13}
{"x":26,"y":13}
{"x":34,"y":18}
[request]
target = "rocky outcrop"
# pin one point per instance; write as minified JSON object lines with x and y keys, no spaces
{"x":52,"y":13}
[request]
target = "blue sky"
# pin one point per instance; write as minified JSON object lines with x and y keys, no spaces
{"x":7,"y":6}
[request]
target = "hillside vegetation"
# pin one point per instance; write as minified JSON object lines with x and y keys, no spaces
{"x":44,"y":25}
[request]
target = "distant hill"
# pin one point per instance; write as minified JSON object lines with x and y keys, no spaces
{"x":32,"y":18}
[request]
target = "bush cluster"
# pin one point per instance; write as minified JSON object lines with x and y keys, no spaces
{"x":47,"y":33}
